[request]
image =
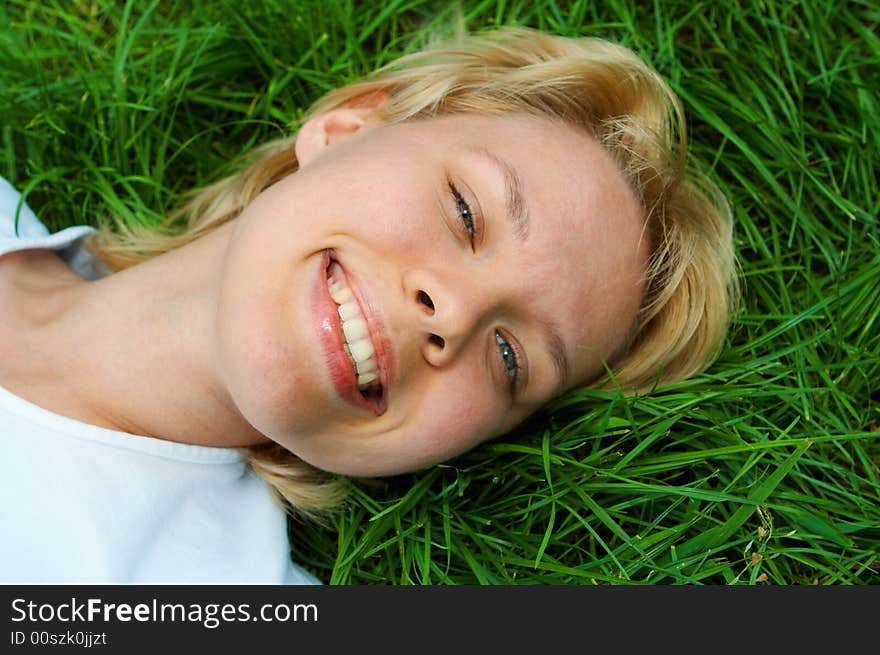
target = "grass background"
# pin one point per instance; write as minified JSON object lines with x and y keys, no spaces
{"x":762,"y":471}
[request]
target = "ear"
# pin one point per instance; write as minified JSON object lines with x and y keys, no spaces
{"x":323,"y":130}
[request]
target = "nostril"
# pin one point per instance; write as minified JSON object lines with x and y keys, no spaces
{"x":425,"y":299}
{"x":437,"y":340}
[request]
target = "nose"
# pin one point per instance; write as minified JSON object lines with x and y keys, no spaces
{"x":447,"y":309}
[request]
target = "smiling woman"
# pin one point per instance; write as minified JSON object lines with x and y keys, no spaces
{"x":439,"y":251}
{"x":448,"y":305}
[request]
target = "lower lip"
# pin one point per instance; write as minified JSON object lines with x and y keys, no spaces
{"x":327,"y":321}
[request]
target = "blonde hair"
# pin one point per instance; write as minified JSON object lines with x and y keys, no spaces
{"x":602,"y":88}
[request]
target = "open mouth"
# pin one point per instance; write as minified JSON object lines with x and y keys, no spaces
{"x":356,"y":340}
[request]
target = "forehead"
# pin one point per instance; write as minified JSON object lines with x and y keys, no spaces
{"x":582,"y":263}
{"x":570,"y":180}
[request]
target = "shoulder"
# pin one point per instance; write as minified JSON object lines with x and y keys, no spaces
{"x":17,"y":220}
{"x":297,"y":575}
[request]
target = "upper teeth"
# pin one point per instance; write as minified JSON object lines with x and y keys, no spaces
{"x":356,"y":335}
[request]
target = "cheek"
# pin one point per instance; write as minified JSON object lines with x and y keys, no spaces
{"x":438,"y":426}
{"x":455,"y":418}
{"x":382,"y":207}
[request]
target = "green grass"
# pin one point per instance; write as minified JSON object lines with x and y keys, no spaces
{"x":762,"y":471}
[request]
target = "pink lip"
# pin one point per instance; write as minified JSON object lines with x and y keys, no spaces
{"x":330,"y":335}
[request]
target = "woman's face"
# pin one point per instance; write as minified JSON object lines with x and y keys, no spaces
{"x":482,"y":265}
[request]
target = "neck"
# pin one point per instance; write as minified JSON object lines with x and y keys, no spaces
{"x":135,"y":351}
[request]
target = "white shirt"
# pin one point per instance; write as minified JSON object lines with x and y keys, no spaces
{"x":84,"y":504}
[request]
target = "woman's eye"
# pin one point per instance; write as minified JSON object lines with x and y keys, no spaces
{"x":465,"y":214}
{"x":508,"y":357}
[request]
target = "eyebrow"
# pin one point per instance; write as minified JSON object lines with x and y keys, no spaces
{"x":556,"y":347}
{"x":517,"y":211}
